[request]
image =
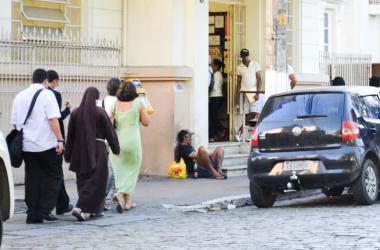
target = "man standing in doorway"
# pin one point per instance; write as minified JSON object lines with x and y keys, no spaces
{"x":42,"y":143}
{"x":248,"y":79}
{"x":63,"y":202}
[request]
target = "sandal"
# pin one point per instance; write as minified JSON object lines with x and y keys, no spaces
{"x":129,"y":206}
{"x":81,"y":216}
{"x":222,"y":177}
{"x":119,"y":203}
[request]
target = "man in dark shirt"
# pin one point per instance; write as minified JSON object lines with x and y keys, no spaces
{"x":209,"y":165}
{"x":63,"y":202}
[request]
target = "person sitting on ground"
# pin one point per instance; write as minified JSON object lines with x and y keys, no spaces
{"x":338,"y":81}
{"x":209,"y":165}
{"x":374,"y":81}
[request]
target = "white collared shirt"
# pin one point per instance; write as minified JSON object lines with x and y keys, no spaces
{"x":109,"y":102}
{"x":37,"y":134}
{"x":248,"y":75}
{"x":218,"y":83}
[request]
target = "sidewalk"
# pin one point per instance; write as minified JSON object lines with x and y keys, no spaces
{"x":160,"y":190}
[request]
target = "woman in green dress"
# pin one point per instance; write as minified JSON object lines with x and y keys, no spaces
{"x":128,"y":113}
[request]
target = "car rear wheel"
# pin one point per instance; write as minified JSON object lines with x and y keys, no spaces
{"x":261,"y":197}
{"x":334,"y":191}
{"x":365,"y":188}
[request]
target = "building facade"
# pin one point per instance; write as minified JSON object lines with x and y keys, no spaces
{"x":167,"y":44}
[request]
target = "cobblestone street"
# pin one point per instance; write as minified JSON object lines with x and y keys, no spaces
{"x":310,"y":223}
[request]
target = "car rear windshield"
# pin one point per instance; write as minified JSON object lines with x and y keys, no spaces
{"x":302,"y":106}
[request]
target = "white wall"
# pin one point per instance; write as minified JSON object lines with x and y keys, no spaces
{"x":155,"y":32}
{"x":312,"y":15}
{"x":102,"y":19}
{"x":354,"y":31}
{"x":5,"y":16}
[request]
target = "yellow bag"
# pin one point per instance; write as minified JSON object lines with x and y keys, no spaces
{"x":177,"y":170}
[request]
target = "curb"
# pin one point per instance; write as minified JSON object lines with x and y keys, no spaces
{"x":232,"y":202}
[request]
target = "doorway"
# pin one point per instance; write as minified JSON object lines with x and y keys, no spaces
{"x":226,"y":39}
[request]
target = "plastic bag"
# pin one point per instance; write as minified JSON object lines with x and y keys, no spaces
{"x":177,"y":170}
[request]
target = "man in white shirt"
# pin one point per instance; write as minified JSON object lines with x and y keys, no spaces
{"x":107,"y":104}
{"x":292,"y":80}
{"x":249,"y":79}
{"x":42,"y":143}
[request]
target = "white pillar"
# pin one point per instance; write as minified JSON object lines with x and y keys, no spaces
{"x":196,"y":44}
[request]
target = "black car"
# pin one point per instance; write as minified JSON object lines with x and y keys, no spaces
{"x":326,"y":138}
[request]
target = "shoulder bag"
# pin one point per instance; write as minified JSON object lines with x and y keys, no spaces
{"x":14,"y":138}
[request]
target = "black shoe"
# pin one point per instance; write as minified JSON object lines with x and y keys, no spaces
{"x":49,"y":217}
{"x":34,"y":221}
{"x":68,"y":209}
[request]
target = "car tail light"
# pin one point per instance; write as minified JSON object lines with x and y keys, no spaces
{"x":255,"y":137}
{"x":350,"y":131}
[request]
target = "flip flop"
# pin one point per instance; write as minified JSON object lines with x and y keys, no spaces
{"x":223,"y":177}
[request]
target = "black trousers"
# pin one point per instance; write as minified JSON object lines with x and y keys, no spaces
{"x":42,"y":182}
{"x":63,"y":199}
{"x":215,"y":126}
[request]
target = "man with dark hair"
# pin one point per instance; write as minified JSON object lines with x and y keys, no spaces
{"x":248,"y":79}
{"x":42,"y":143}
{"x":63,"y":202}
{"x":209,"y":165}
{"x":374,"y":81}
{"x":107,"y":103}
{"x":338,"y":81}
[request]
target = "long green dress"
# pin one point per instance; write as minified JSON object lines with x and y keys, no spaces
{"x":126,"y":166}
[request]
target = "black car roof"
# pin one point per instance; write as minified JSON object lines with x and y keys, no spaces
{"x":361,"y":90}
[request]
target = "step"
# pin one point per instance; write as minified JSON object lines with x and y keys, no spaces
{"x":235,"y":171}
{"x":229,"y":147}
{"x":235,"y":159}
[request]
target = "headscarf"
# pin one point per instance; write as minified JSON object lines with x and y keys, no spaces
{"x":86,"y":124}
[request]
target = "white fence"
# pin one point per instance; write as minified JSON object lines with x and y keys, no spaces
{"x":356,"y":69}
{"x":80,"y":63}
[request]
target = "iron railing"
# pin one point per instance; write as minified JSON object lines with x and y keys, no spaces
{"x":354,"y":68}
{"x":79,"y":62}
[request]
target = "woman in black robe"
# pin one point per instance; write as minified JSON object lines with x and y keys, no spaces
{"x":89,"y":128}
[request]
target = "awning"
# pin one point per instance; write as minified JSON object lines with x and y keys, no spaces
{"x":44,"y":14}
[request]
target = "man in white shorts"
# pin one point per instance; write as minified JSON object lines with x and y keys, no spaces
{"x":249,"y":79}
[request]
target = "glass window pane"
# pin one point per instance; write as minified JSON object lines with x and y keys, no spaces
{"x":290,"y":106}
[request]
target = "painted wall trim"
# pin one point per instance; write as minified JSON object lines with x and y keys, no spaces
{"x":157,"y":73}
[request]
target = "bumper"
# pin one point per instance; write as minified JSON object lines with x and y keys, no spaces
{"x":333,"y":167}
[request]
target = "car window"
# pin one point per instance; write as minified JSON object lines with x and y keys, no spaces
{"x":290,"y":107}
{"x":369,"y":106}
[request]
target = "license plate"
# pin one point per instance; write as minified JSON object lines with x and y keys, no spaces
{"x":297,"y":165}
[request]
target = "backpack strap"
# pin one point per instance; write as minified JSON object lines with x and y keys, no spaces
{"x":103,"y":105}
{"x":32,"y":104}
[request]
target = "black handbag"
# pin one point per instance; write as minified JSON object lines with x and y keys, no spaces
{"x":14,"y":138}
